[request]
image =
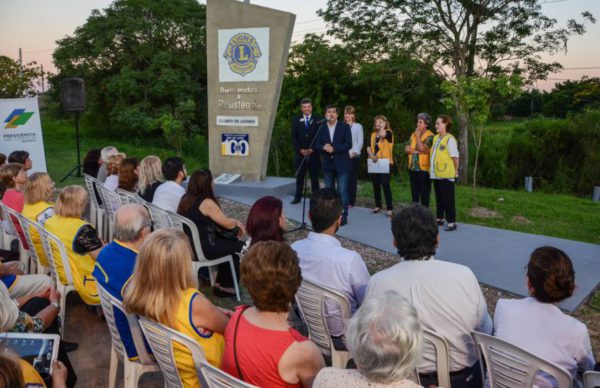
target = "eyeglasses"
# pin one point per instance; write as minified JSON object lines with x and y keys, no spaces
{"x":150,"y":225}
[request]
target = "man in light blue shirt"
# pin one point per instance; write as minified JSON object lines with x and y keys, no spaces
{"x":324,"y":261}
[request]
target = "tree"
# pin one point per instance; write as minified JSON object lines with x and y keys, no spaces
{"x":140,"y":60}
{"x":477,"y":94}
{"x":18,"y":81}
{"x":464,"y":38}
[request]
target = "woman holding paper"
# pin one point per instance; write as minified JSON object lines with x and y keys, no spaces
{"x":380,"y":160}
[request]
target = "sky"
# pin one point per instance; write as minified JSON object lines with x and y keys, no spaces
{"x":36,"y":25}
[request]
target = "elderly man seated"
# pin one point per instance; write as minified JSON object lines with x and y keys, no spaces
{"x":447,"y":296}
{"x":116,"y":261}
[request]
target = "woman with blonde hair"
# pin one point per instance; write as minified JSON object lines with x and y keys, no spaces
{"x":128,"y":174}
{"x":80,"y":239}
{"x":112,"y":171}
{"x":150,"y":177}
{"x":39,"y":191}
{"x":163,"y":289}
{"x":382,"y":147}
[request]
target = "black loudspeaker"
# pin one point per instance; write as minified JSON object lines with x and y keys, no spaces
{"x":72,"y":94}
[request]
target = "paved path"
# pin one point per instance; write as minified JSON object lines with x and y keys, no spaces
{"x":497,"y":257}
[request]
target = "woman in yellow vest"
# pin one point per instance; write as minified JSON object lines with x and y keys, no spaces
{"x":444,"y":171}
{"x":80,"y":239}
{"x":163,"y":288}
{"x":39,"y":190}
{"x":382,"y":147}
{"x":418,"y":148}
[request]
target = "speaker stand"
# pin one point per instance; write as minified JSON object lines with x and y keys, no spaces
{"x":75,"y":171}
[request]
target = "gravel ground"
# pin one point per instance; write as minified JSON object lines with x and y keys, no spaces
{"x":377,"y":260}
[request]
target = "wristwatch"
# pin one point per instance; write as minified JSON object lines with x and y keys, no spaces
{"x":56,"y":305}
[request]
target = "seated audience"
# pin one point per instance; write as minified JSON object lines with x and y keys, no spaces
{"x":18,"y":373}
{"x":14,"y":177}
{"x":260,"y":346}
{"x":112,"y":171}
{"x":105,"y":154}
{"x":20,"y":284}
{"x":200,"y":205}
{"x":92,"y":162}
{"x":150,"y":177}
{"x":266,"y":220}
{"x":168,"y":194}
{"x":537,"y":325}
{"x":385,"y":340}
{"x":39,"y":191}
{"x":128,"y":174}
{"x":21,"y":157}
{"x":446,"y":295}
{"x":324,"y":261}
{"x":80,"y":239}
{"x":163,"y":289}
{"x":2,"y":159}
{"x":116,"y":261}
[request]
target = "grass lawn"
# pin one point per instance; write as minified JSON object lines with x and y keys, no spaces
{"x":555,"y":215}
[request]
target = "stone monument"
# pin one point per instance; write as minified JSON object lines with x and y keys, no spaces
{"x":247,"y":51}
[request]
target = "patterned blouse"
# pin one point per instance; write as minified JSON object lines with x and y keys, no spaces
{"x":335,"y":378}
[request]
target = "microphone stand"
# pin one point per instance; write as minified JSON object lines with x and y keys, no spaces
{"x":303,"y":225}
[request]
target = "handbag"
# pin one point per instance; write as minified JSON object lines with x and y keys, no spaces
{"x":230,"y":234}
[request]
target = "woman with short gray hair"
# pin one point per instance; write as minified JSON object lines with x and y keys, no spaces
{"x":385,"y":340}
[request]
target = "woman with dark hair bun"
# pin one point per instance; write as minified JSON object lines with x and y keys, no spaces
{"x":266,"y":220}
{"x":537,"y":325}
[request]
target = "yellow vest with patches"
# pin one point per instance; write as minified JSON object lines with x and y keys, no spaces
{"x":423,"y":157}
{"x":32,"y":211}
{"x":212,"y":343}
{"x":443,"y":165}
{"x":66,"y":228}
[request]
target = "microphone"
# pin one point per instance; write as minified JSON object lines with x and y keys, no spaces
{"x":322,"y":120}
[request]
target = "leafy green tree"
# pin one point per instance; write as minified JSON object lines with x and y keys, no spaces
{"x":139,"y":59}
{"x":17,"y":81}
{"x":477,"y":95}
{"x":463,"y":38}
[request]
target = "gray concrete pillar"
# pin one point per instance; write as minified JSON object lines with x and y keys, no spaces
{"x":528,"y":184}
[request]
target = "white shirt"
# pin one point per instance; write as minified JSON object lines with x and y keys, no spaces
{"x":112,"y":182}
{"x":448,"y":300}
{"x":542,"y":329}
{"x":357,"y":138}
{"x":331,"y":130}
{"x":168,"y":195}
{"x":324,"y":261}
{"x":452,"y":150}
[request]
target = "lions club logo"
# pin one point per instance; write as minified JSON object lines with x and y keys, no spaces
{"x":242,"y":53}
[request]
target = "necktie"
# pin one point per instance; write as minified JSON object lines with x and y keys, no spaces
{"x":306,"y":121}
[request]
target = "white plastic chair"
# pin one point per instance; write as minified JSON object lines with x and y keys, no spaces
{"x":111,"y":202}
{"x":178,"y":221}
{"x":97,"y":213}
{"x":8,"y":234}
{"x":591,"y":379}
{"x":133,"y":370}
{"x":128,"y":197}
{"x":49,"y":240}
{"x":216,"y":378}
{"x":159,"y":216}
{"x":311,"y":302}
{"x":27,"y":224}
{"x":12,"y":217}
{"x":161,"y":340}
{"x":510,"y":366}
{"x":442,"y":358}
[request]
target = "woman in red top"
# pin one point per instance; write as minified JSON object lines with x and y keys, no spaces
{"x":260,"y":346}
{"x":14,"y":177}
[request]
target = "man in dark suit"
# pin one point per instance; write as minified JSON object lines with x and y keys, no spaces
{"x":333,"y":142}
{"x":304,"y":128}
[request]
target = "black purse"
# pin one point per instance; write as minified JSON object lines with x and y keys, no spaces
{"x":230,"y":234}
